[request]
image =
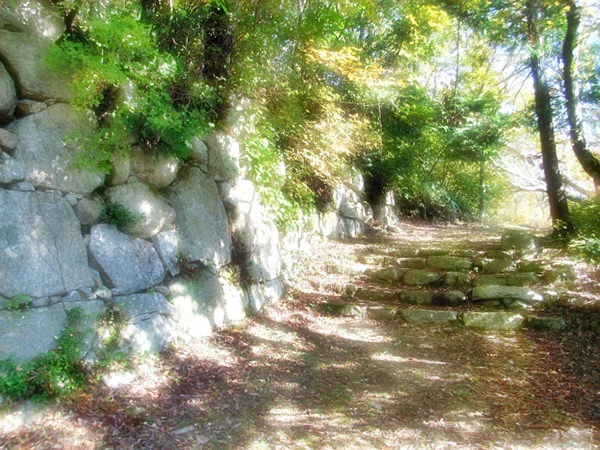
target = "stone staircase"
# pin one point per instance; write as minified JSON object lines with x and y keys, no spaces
{"x":498,"y":286}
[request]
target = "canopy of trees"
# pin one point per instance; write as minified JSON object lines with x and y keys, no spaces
{"x":419,"y":95}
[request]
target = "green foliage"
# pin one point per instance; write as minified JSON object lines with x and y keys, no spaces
{"x":57,"y":373}
{"x":586,"y":238}
{"x":135,"y":88}
{"x":119,"y":216}
{"x":20,"y":302}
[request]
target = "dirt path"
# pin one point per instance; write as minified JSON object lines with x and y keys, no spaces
{"x":295,"y":377}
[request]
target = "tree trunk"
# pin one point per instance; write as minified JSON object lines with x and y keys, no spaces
{"x":587,"y":160}
{"x":559,"y":209}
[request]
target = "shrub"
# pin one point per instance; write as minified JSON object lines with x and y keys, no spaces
{"x":119,"y":216}
{"x":586,"y":238}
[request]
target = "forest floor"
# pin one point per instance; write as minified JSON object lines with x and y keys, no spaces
{"x":296,"y":378}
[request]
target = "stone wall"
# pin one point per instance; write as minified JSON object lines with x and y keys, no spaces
{"x":202,"y":252}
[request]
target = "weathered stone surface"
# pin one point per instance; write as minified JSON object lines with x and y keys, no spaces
{"x":149,"y":321}
{"x":417,"y":297}
{"x":451,"y":263}
{"x":257,"y":237}
{"x":405,"y":253}
{"x":8,"y":95}
{"x":45,"y":323}
{"x":127,"y":265}
{"x":167,"y":246}
{"x":120,"y":170}
{"x":522,"y":279}
{"x":41,"y":248}
{"x":153,"y":211}
{"x":342,"y":309}
{"x":198,"y":153}
{"x":36,"y":17}
{"x":351,"y":289}
{"x":8,"y":140}
{"x":421,"y":278}
{"x":155,"y":169}
{"x":203,"y":302}
{"x":261,"y":294}
{"x":201,"y":220}
{"x":381,"y":313}
{"x":495,"y":292}
{"x":88,"y":210}
{"x":425,"y":316}
{"x":449,"y":298}
{"x":46,"y":157}
{"x":457,"y":280}
{"x":28,"y":107}
{"x":484,"y":280}
{"x":389,"y":274}
{"x":493,"y":320}
{"x":546,"y":323}
{"x":498,"y":266}
{"x":411,"y":263}
{"x":11,"y":170}
{"x":518,"y":240}
{"x":223,"y":156}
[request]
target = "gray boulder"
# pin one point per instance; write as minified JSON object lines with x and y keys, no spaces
{"x":546,"y":323}
{"x":457,"y":280}
{"x":167,"y":246}
{"x":27,"y":29}
{"x":149,"y":322}
{"x":223,"y":156}
{"x":203,"y":302}
{"x":88,"y":210}
{"x":8,"y":140}
{"x":8,"y":95}
{"x":127,"y":265}
{"x":493,"y":320}
{"x":198,"y":153}
{"x":155,"y":169}
{"x":201,"y":220}
{"x":46,"y":323}
{"x":41,"y":248}
{"x":411,"y":263}
{"x":449,"y":298}
{"x":120,"y":170}
{"x":153,"y":213}
{"x":497,"y":266}
{"x":46,"y":153}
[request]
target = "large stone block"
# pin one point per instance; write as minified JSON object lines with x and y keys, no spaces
{"x":223,"y":156}
{"x":428,"y":317}
{"x":41,"y":248}
{"x":156,"y":169}
{"x":261,"y":294}
{"x":493,"y":320}
{"x":27,"y":334}
{"x":253,"y":232}
{"x":201,"y":220}
{"x":450,"y":263}
{"x":153,"y":213}
{"x":497,"y":292}
{"x":205,"y":301}
{"x":8,"y":95}
{"x":149,"y":322}
{"x":46,"y":153}
{"x":127,"y":265}
{"x":27,"y":29}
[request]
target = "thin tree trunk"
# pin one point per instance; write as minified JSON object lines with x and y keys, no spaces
{"x":559,"y":209}
{"x":587,"y":160}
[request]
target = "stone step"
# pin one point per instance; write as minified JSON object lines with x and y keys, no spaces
{"x":499,"y":292}
{"x":440,"y":298}
{"x":342,"y":309}
{"x":507,"y":279}
{"x":417,"y":277}
{"x":428,"y":316}
{"x":450,"y":263}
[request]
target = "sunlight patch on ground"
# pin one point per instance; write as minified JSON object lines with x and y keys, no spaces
{"x":353,"y":332}
{"x":400,"y":359}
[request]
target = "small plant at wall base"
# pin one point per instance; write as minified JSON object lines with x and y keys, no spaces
{"x":58,"y":373}
{"x":20,"y":302}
